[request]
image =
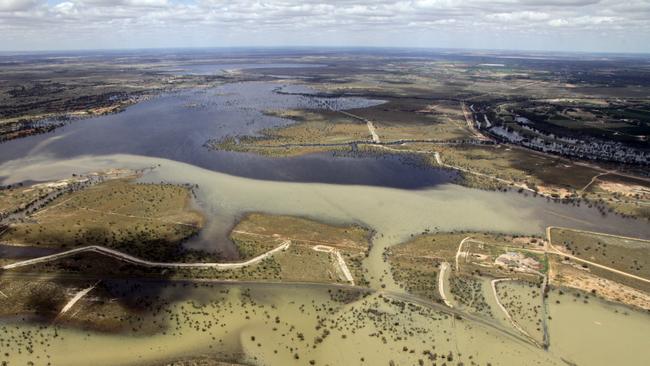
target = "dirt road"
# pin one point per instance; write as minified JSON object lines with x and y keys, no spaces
{"x":444,"y":267}
{"x":339,"y":259}
{"x":134,"y":260}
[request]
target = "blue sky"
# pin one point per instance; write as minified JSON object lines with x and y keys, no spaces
{"x":560,"y":25}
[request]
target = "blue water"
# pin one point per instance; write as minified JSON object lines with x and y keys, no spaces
{"x":176,"y":126}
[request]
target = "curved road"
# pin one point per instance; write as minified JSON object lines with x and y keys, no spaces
{"x":142,"y":262}
{"x":553,"y":250}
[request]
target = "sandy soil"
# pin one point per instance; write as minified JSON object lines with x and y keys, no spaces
{"x":569,"y":276}
{"x":628,"y":190}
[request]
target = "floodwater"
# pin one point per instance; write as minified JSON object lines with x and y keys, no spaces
{"x":277,"y":325}
{"x":597,"y":332}
{"x":394,"y":214}
{"x":168,"y":133}
{"x":177,"y":126}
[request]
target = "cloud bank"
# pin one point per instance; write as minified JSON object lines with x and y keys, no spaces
{"x":568,"y":25}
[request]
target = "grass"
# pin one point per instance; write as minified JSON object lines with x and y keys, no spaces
{"x":627,"y":255}
{"x":146,"y":220}
{"x":518,"y":165}
{"x":599,"y":282}
{"x":414,"y":119}
{"x":310,"y":127}
{"x":299,"y":230}
{"x":468,"y":291}
{"x":257,"y":233}
{"x":418,"y":276}
{"x":415,"y":263}
{"x":625,"y":196}
{"x":260,"y":233}
{"x":523,"y":301}
{"x":13,"y":199}
{"x":399,"y":119}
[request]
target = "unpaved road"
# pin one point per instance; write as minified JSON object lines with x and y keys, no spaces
{"x":339,"y":259}
{"x":444,"y":267}
{"x":460,"y":246}
{"x":553,"y":250}
{"x":371,"y":126}
{"x":134,"y":260}
{"x":505,"y":311}
{"x":76,"y":298}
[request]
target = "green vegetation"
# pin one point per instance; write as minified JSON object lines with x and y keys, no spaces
{"x":258,"y":233}
{"x":627,"y":255}
{"x":524,"y":303}
{"x":625,"y":196}
{"x":468,"y":291}
{"x":415,"y":263}
{"x":145,"y":220}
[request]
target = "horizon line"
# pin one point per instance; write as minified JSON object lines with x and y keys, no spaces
{"x":322,"y":47}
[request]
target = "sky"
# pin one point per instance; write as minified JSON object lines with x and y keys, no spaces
{"x":544,"y":25}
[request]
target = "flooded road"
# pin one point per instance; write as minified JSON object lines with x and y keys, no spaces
{"x":239,"y":323}
{"x":394,"y":214}
{"x":275,"y":324}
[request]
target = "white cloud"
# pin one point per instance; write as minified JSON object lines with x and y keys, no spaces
{"x":19,"y":5}
{"x":460,"y":23}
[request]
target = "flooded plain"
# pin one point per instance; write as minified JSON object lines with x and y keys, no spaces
{"x":177,"y":126}
{"x":394,"y":214}
{"x":239,"y":322}
{"x":275,"y":324}
{"x":278,"y":325}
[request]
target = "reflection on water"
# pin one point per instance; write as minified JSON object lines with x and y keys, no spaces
{"x":177,"y":126}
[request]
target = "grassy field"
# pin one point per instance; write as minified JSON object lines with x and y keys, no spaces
{"x":416,"y":119}
{"x":42,"y":289}
{"x":303,"y":230}
{"x":257,"y":233}
{"x":22,"y":199}
{"x":602,"y":283}
{"x":535,"y":170}
{"x":13,"y":199}
{"x":627,"y":255}
{"x":523,"y":301}
{"x":310,"y":127}
{"x":399,"y":119}
{"x":468,"y":291}
{"x":626,"y":196}
{"x":415,"y":264}
{"x":146,"y":220}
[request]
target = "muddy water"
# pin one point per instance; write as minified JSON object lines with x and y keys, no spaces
{"x":394,"y":214}
{"x":277,"y":325}
{"x":523,"y":301}
{"x":598,"y":332}
{"x":292,"y":325}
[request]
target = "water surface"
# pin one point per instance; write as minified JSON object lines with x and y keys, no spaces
{"x":177,"y":126}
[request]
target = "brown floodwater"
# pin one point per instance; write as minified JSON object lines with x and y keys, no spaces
{"x":371,"y":329}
